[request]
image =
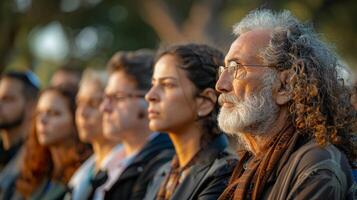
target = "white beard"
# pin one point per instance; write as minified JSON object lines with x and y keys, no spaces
{"x":254,"y":114}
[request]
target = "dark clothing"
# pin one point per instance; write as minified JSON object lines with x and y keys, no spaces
{"x":354,"y":163}
{"x":207,"y":177}
{"x":7,"y":155}
{"x":49,"y":190}
{"x":133,"y":182}
{"x":10,"y":164}
{"x":312,"y":172}
{"x":293,"y":167}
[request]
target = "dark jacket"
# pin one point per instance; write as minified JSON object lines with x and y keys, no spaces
{"x":312,"y":172}
{"x":47,"y":190}
{"x":207,"y":178}
{"x":9,"y":174}
{"x":133,"y":182}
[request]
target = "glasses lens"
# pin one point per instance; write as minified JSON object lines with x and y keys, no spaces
{"x":220,"y":70}
{"x":230,"y":70}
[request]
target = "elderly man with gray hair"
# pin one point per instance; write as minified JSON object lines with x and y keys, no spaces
{"x":282,"y":96}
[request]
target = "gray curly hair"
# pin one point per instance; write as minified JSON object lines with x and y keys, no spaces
{"x":299,"y":35}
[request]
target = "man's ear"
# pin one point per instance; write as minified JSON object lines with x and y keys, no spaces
{"x":283,"y":90}
{"x":206,"y":102}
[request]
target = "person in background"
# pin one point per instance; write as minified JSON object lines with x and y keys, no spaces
{"x":66,"y":75}
{"x":183,"y":103}
{"x":125,"y":120}
{"x":18,"y":95}
{"x":284,"y":98}
{"x":53,"y":151}
{"x":106,"y":153}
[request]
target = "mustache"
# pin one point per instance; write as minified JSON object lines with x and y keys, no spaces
{"x":224,"y":98}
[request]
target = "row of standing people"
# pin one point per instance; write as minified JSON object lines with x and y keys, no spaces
{"x":155,"y":126}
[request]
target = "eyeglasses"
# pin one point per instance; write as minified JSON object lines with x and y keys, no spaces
{"x":236,"y":70}
{"x":121,"y":96}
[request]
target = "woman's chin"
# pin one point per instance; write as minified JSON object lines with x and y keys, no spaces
{"x":154,"y":125}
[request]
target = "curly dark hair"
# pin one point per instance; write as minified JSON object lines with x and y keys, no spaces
{"x":38,"y":165}
{"x":320,"y":107}
{"x":137,"y":64}
{"x":200,"y":62}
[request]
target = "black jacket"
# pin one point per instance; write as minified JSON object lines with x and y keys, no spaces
{"x":207,"y":178}
{"x":133,"y":182}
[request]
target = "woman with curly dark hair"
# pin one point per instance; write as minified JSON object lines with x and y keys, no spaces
{"x":183,"y":103}
{"x":53,"y":150}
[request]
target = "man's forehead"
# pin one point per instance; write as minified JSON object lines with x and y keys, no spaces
{"x":10,"y":83}
{"x":248,"y":45}
{"x":121,"y":82}
{"x":11,"y":87}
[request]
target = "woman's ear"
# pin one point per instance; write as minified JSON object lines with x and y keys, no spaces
{"x":283,"y":88}
{"x":206,"y":102}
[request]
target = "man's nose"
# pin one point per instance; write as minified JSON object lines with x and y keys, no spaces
{"x":224,"y":83}
{"x":105,"y":106}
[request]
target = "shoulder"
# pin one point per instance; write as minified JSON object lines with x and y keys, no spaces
{"x":157,"y":151}
{"x":10,"y":172}
{"x":82,"y":171}
{"x":315,"y":170}
{"x":215,"y":180}
{"x":313,"y":156}
{"x":56,"y":191}
{"x":155,"y":161}
{"x":159,"y":146}
{"x":224,"y":164}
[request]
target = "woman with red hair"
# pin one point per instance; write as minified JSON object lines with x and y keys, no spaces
{"x":53,"y":150}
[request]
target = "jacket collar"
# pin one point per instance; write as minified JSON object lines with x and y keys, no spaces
{"x":205,"y":160}
{"x":210,"y":152}
{"x":195,"y":177}
{"x":152,"y":148}
{"x":159,"y":142}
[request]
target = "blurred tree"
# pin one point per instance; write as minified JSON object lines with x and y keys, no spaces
{"x":202,"y":23}
{"x":90,"y":31}
{"x":8,"y":28}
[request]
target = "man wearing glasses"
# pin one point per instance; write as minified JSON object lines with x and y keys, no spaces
{"x":125,"y":121}
{"x":282,"y":96}
{"x":18,"y":94}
